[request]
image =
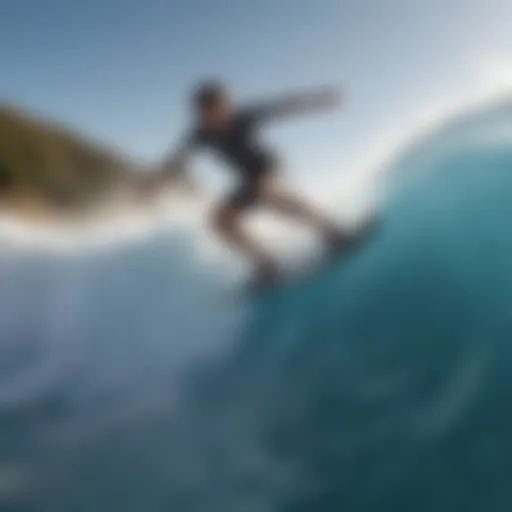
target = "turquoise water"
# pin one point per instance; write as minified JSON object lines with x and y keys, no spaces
{"x":380,"y":384}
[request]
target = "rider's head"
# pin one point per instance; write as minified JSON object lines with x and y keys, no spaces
{"x":212,"y":103}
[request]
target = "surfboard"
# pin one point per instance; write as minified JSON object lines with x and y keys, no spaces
{"x":319,"y":264}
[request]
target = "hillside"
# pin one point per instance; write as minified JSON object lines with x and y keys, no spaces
{"x":51,"y":164}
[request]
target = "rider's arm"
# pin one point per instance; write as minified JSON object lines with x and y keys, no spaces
{"x":317,"y":100}
{"x":174,"y":169}
{"x":176,"y":162}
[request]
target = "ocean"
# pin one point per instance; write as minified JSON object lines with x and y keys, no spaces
{"x":129,"y":382}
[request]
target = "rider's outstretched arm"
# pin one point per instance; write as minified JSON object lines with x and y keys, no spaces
{"x":172,"y":172}
{"x":305,"y":102}
{"x":175,"y":166}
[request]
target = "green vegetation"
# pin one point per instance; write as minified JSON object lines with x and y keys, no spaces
{"x":48,"y":162}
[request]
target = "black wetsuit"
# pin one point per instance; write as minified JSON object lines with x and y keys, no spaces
{"x":239,"y":147}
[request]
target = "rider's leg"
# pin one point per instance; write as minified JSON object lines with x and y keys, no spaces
{"x":286,"y":203}
{"x":227,"y":221}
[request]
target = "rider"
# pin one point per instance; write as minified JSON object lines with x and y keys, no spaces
{"x":231,"y":132}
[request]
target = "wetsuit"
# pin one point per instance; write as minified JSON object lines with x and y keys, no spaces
{"x":238,"y":145}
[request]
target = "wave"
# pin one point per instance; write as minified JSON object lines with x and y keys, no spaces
{"x":129,"y":381}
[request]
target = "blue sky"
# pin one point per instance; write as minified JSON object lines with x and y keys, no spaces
{"x":120,"y":69}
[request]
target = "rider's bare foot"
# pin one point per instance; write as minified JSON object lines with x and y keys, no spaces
{"x":336,"y":240}
{"x":265,"y":274}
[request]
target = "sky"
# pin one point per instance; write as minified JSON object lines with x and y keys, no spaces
{"x":121,"y":70}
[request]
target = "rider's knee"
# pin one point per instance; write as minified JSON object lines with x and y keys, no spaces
{"x":224,"y":219}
